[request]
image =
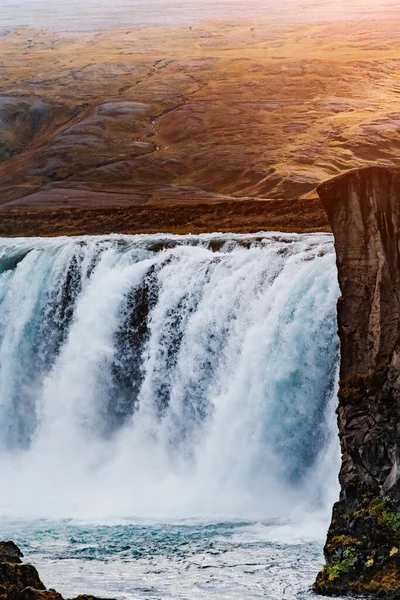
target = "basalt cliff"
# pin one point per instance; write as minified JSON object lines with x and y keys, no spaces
{"x":362,"y":551}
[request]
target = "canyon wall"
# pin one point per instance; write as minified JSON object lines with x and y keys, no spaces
{"x":362,"y":549}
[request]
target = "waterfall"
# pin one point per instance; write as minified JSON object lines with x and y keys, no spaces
{"x":168,"y":376}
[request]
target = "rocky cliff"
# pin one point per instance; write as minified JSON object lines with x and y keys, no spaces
{"x":362,"y":551}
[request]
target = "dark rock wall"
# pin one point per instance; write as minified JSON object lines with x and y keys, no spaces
{"x":362,"y":550}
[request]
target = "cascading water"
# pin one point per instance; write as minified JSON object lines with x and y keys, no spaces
{"x":166,"y":377}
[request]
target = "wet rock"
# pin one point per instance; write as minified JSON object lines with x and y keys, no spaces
{"x":362,"y":551}
{"x":16,"y":577}
{"x":31,"y":593}
{"x":9,"y":552}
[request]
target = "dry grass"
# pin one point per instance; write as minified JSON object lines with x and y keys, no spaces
{"x":216,"y":112}
{"x":247,"y":217}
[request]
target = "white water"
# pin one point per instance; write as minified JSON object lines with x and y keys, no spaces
{"x":165,"y":377}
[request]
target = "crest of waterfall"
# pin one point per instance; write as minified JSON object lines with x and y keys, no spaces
{"x":164,"y":376}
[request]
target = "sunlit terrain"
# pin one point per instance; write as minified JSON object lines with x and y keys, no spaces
{"x":264,"y":104}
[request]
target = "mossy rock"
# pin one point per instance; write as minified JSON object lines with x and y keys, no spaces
{"x":16,"y":577}
{"x":367,"y":562}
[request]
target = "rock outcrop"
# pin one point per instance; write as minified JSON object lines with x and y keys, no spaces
{"x":16,"y":577}
{"x":362,"y":551}
{"x":22,"y":582}
{"x":9,"y":552}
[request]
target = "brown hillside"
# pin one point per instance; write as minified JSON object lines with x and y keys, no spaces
{"x":219,"y":112}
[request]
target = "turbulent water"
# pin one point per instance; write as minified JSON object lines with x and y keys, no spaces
{"x":167,"y":411}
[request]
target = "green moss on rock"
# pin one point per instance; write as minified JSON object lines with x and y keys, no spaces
{"x":368,"y":561}
{"x":346,"y":564}
{"x":355,"y":387}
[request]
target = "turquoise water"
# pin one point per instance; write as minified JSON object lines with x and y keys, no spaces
{"x":181,"y":561}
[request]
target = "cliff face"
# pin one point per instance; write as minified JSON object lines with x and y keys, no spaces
{"x":363,"y":546}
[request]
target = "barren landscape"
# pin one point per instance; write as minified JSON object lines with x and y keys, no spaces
{"x":188,"y":127}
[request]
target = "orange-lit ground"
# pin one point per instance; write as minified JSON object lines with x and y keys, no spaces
{"x":210,"y":113}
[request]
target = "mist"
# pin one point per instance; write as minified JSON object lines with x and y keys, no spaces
{"x":78,"y":15}
{"x":104,"y":14}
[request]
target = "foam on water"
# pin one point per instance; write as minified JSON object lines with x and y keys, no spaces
{"x":224,"y":560}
